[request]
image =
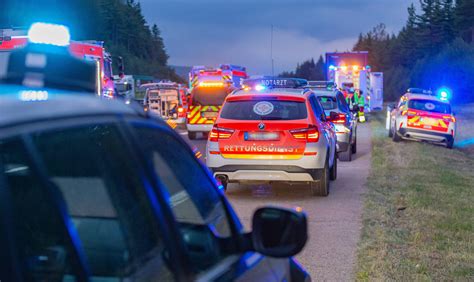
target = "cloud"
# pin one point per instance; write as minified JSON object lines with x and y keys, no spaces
{"x":211,"y":32}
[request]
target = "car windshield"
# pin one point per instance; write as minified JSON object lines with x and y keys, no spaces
{"x":209,"y":96}
{"x":264,"y":110}
{"x":328,"y":102}
{"x":429,"y":106}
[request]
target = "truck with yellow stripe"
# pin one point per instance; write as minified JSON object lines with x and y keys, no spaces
{"x":208,"y":89}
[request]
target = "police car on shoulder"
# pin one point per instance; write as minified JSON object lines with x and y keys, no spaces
{"x":273,"y":129}
{"x":93,"y":190}
{"x":338,"y":112}
{"x":424,"y":116}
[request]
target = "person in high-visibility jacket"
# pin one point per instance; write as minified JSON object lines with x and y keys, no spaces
{"x":359,"y":101}
{"x":356,"y":102}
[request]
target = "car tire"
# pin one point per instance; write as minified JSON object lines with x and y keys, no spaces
{"x":192,"y":135}
{"x":346,"y":156}
{"x":395,"y":136}
{"x":450,"y":144}
{"x":354,"y":146}
{"x":321,"y":187}
{"x":333,"y":170}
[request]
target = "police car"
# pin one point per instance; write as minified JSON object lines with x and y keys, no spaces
{"x":338,"y":112}
{"x":423,"y":116}
{"x":273,"y":130}
{"x":93,"y":190}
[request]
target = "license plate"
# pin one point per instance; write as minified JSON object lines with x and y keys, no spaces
{"x":261,"y":136}
{"x":209,"y":114}
{"x":429,"y":121}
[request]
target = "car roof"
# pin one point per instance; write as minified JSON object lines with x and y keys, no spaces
{"x":18,"y":107}
{"x":323,"y":92}
{"x":425,"y":97}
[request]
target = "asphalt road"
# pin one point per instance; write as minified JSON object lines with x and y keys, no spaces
{"x":334,"y":221}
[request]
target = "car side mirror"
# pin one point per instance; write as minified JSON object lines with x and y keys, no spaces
{"x":278,"y":232}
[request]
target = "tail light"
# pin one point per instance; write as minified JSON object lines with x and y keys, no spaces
{"x":220,"y":133}
{"x":408,"y":112}
{"x":449,"y":118}
{"x":340,"y":118}
{"x":180,"y":110}
{"x":309,"y":134}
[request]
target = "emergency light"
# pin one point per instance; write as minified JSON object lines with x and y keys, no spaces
{"x":211,"y":84}
{"x":51,"y":34}
{"x":268,"y":82}
{"x":444,"y":94}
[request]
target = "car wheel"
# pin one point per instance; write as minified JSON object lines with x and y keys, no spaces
{"x":395,"y":136}
{"x":450,"y":144}
{"x":346,"y":156}
{"x":354,"y":146}
{"x":192,"y":135}
{"x":321,"y":187}
{"x":333,"y":171}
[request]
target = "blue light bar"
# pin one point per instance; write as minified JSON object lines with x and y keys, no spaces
{"x":268,"y":82}
{"x":51,"y":34}
{"x":444,"y":93}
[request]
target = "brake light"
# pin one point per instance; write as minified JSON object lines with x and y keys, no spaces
{"x":220,"y":133}
{"x":340,"y":118}
{"x":449,"y":118}
{"x":310,"y":134}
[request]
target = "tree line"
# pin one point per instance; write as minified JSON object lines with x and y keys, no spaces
{"x":119,"y":23}
{"x":434,"y":49}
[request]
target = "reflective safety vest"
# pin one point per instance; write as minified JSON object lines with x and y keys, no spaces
{"x":202,"y":114}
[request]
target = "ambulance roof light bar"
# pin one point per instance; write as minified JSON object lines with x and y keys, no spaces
{"x":267,"y":82}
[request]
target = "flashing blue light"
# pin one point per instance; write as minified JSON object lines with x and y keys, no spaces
{"x":259,"y":87}
{"x":444,"y":94}
{"x":331,"y":67}
{"x":52,"y":34}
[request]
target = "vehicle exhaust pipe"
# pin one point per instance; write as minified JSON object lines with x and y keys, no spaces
{"x":222,"y":178}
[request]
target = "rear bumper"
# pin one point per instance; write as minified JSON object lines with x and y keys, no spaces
{"x":199,"y":127}
{"x":284,"y":173}
{"x":425,"y":135}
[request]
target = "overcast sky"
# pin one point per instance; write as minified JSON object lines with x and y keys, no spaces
{"x":210,"y":32}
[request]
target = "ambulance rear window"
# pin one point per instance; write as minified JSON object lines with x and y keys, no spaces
{"x":328,"y":102}
{"x":429,"y":106}
{"x":264,"y":110}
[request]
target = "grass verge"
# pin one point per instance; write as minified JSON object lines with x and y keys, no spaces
{"x":418,"y":219}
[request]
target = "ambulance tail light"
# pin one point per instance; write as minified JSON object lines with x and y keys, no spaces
{"x":449,"y":118}
{"x":218,"y":133}
{"x":310,"y":134}
{"x":340,"y":119}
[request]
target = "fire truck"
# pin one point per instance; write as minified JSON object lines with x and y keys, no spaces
{"x":11,"y":39}
{"x":353,"y":76}
{"x":208,"y":89}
